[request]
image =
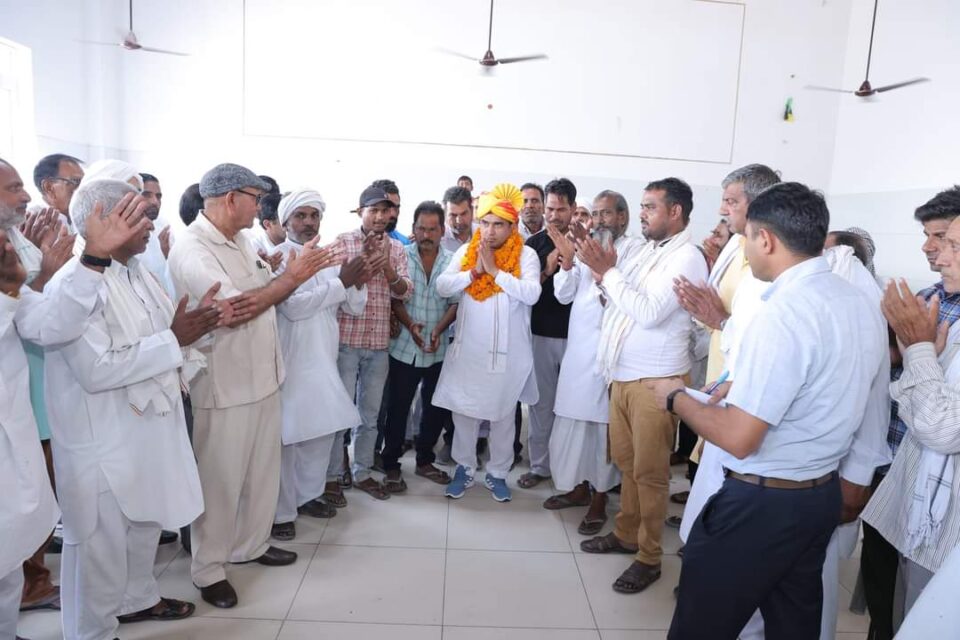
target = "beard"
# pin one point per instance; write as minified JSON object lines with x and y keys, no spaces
{"x":10,"y":217}
{"x":391,"y":226}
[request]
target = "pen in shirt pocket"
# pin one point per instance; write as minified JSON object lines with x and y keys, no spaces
{"x":716,"y":385}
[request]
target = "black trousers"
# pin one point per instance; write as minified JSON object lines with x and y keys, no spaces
{"x":755,"y":548}
{"x":188,"y":415}
{"x":879,"y":562}
{"x":403,"y":380}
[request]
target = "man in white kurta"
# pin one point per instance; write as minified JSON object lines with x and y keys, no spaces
{"x":579,"y":462}
{"x":122,"y":457}
{"x":314,"y":402}
{"x":489,"y":365}
{"x":28,"y":510}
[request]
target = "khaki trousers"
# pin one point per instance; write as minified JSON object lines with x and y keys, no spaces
{"x":641,"y":440}
{"x":238,"y":457}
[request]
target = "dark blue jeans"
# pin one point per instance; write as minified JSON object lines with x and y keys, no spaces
{"x":755,"y":548}
{"x":403,"y":380}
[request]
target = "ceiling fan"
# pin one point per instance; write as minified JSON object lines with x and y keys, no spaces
{"x":488,"y":61}
{"x":130,"y":42}
{"x":866,"y":89}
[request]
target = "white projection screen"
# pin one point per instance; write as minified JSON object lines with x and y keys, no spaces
{"x":624,"y":77}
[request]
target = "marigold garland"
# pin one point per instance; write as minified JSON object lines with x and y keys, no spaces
{"x":507,"y":258}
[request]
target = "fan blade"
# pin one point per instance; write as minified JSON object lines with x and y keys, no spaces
{"x":153,"y":50}
{"x":450,"y":52}
{"x":832,"y":89}
{"x":103,"y":44}
{"x":538,"y":56}
{"x":905,"y":83}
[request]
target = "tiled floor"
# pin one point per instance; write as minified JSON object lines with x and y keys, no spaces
{"x":422,"y":567}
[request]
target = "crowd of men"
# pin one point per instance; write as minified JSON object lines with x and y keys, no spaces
{"x":234,"y":375}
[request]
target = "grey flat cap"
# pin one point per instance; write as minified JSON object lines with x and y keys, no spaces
{"x":227,"y":177}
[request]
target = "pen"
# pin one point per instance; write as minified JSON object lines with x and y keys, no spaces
{"x":723,"y":378}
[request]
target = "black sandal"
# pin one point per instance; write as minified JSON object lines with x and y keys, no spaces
{"x":609,"y":543}
{"x":636,"y":578}
{"x":170,"y":609}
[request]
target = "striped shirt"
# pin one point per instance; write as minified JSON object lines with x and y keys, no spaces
{"x":949,"y":312}
{"x":931,"y":408}
{"x":372,"y":329}
{"x":425,"y":307}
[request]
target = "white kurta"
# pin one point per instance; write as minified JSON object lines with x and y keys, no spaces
{"x":313,"y":397}
{"x":582,"y":394}
{"x":489,"y":365}
{"x":28,"y":510}
{"x":146,"y":460}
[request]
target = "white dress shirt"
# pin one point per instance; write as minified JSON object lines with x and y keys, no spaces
{"x":658,"y":345}
{"x":805,"y":367}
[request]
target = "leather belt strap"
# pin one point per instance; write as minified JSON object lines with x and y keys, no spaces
{"x":779,"y":483}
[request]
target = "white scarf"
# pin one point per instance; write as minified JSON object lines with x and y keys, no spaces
{"x":841,"y":261}
{"x":931,"y":492}
{"x":617,"y":324}
{"x":30,"y":256}
{"x":724,"y":260}
{"x":128,"y":321}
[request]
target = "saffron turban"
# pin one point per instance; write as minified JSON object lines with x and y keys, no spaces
{"x":302,"y":198}
{"x":503,"y":201}
{"x":110,"y":169}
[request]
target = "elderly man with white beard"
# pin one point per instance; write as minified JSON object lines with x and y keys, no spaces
{"x":118,"y":423}
{"x":28,"y":510}
{"x":309,"y":340}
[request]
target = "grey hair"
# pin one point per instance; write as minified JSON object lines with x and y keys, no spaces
{"x":619,"y":202}
{"x":754,"y":177}
{"x":106,"y":191}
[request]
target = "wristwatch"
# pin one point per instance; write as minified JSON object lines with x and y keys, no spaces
{"x":94,"y":261}
{"x":671,"y":396}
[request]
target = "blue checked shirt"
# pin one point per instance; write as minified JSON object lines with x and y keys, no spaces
{"x":950,"y":312}
{"x":425,"y":307}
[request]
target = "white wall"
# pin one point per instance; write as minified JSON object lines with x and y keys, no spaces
{"x":176,"y":117}
{"x":895,"y":151}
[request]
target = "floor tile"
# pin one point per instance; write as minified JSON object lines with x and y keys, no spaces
{"x":166,"y":553}
{"x":299,"y":630}
{"x":372,"y":584}
{"x":621,"y":634}
{"x":846,"y":619}
{"x":401,"y":521}
{"x":519,"y":525}
{"x":264,"y":592}
{"x":515,"y":589}
{"x":197,"y":627}
{"x":651,"y":609}
{"x":499,"y":633}
{"x":40,"y":625}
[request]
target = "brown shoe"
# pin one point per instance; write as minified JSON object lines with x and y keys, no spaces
{"x":433,"y":474}
{"x":372,"y":488}
{"x":636,"y":578}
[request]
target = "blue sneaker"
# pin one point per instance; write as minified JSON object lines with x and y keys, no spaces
{"x":498,"y":487}
{"x":460,"y":483}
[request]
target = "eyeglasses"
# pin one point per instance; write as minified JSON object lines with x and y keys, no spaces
{"x":255,"y":196}
{"x":73,"y":182}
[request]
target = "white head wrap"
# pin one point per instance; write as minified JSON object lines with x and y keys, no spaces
{"x":586,"y":204}
{"x":302,"y":198}
{"x":113,"y":170}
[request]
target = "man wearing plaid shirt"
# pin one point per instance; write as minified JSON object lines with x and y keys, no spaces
{"x":363,"y":360}
{"x":879,"y":559}
{"x":417,"y":353}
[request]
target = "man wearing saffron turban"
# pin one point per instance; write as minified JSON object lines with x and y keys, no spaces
{"x":489,"y":365}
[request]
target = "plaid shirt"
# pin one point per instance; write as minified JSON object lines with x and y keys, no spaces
{"x":426,"y":307}
{"x":372,"y":329}
{"x":950,"y":312}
